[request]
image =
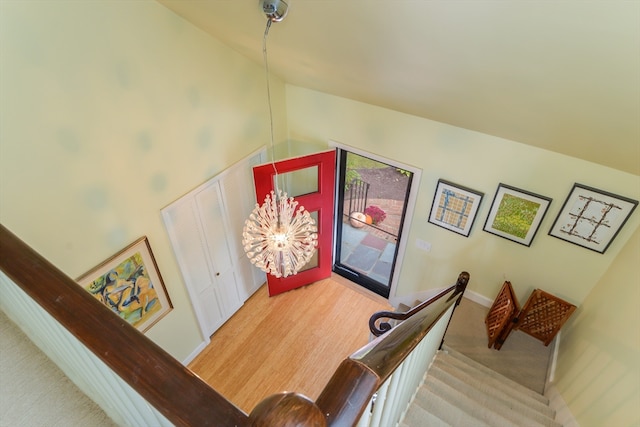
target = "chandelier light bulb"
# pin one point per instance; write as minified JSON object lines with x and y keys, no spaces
{"x":277,"y":238}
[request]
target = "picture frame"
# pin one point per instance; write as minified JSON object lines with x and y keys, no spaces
{"x":516,"y":214}
{"x":592,"y":218}
{"x":130,"y":285}
{"x":455,"y":207}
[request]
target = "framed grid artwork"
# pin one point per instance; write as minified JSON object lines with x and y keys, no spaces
{"x":592,"y":218}
{"x":455,"y":207}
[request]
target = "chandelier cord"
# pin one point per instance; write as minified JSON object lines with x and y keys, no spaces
{"x":266,"y":68}
{"x":279,"y":237}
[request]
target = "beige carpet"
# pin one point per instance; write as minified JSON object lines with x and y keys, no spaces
{"x":522,"y":358}
{"x":459,"y":391}
{"x":34,"y":392}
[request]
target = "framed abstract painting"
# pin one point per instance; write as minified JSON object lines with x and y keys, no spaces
{"x":130,"y":285}
{"x":592,"y":218}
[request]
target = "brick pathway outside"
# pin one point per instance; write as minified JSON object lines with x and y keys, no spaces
{"x":371,"y":248}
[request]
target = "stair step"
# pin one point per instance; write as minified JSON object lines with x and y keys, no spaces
{"x":416,"y":416}
{"x":459,"y":378}
{"x":457,"y":391}
{"x":500,"y":381}
{"x":444,"y":410}
{"x":484,"y":398}
{"x":492,"y":415}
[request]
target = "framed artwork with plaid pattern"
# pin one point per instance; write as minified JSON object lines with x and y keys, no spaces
{"x":454,"y":207}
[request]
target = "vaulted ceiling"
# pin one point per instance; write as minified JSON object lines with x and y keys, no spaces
{"x":560,"y":75}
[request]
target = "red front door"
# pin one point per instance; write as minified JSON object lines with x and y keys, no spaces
{"x":315,"y":179}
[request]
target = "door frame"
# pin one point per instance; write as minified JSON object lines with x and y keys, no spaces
{"x":409,"y":209}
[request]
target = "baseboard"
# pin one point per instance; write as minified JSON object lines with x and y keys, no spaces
{"x":477,"y":298}
{"x":409,"y":300}
{"x":557,"y":403}
{"x":196,"y":352}
{"x":425,"y":295}
{"x":551,"y":374}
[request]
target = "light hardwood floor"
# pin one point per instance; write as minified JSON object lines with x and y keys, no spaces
{"x":290,"y":342}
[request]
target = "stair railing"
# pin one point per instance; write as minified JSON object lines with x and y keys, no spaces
{"x":153,"y":375}
{"x":372,"y":387}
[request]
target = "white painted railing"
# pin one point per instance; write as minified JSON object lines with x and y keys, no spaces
{"x":116,"y":398}
{"x":390,"y":403}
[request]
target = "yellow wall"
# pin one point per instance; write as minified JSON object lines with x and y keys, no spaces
{"x":480,"y":162}
{"x":598,"y":369}
{"x":110,"y":111}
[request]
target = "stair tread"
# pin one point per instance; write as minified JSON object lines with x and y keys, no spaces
{"x":445,"y":410}
{"x":458,"y":391}
{"x":417,"y":416}
{"x":486,"y":408}
{"x":502,"y":379}
{"x":452,"y":374}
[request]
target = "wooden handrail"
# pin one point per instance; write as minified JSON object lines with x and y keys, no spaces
{"x":177,"y":393}
{"x":351,"y":388}
{"x":378,"y":329}
{"x":182,"y":397}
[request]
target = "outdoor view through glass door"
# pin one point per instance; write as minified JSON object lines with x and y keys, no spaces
{"x":371,"y":205}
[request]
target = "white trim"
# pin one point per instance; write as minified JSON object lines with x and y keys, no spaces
{"x":477,"y":298}
{"x":196,"y":352}
{"x":551,"y":374}
{"x":558,"y":404}
{"x":409,"y":300}
{"x":410,"y":207}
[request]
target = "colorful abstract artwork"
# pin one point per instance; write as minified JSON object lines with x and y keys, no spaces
{"x":130,"y":285}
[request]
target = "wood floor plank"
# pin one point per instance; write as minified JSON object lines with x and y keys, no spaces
{"x":289,"y":342}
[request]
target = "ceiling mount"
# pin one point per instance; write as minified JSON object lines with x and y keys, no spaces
{"x":275,"y":10}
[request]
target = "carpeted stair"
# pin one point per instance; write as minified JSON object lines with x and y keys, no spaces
{"x":458,"y":391}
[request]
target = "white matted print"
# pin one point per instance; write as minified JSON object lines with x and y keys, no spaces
{"x":592,"y":218}
{"x":516,"y":214}
{"x":454,"y":207}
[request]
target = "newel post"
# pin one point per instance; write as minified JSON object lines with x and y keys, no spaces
{"x":461,"y":284}
{"x":287,"y":410}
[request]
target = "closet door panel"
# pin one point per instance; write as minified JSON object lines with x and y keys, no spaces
{"x":228,"y":291}
{"x":213,"y":318}
{"x":214,"y":225}
{"x":238,"y":193}
{"x":182,"y":224}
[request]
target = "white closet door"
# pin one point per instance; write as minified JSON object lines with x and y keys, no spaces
{"x":183,"y":225}
{"x":205,"y":229}
{"x":215,"y":230}
{"x":238,"y":193}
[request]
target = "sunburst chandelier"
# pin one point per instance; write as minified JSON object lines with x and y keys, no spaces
{"x":278,"y":237}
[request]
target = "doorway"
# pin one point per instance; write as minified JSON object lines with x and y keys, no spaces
{"x":372,"y":200}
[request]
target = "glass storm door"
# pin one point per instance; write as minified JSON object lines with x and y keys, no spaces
{"x":371,"y":208}
{"x":310,"y":180}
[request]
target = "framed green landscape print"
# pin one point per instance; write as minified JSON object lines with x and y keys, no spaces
{"x":516,"y":214}
{"x":592,"y":218}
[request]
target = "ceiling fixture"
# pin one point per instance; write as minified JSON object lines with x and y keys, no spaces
{"x":276,"y":237}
